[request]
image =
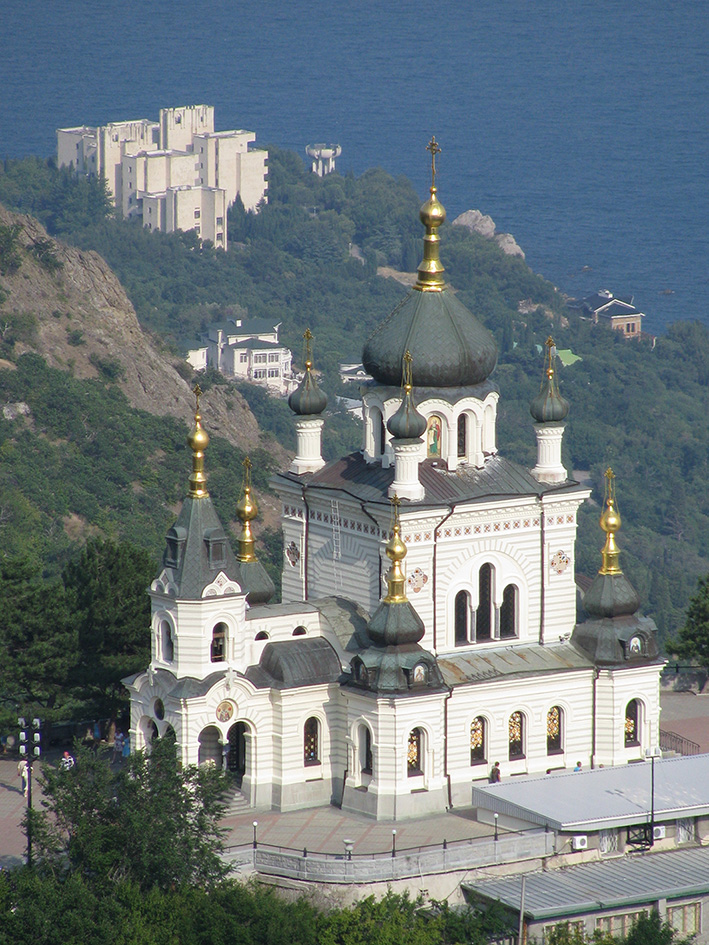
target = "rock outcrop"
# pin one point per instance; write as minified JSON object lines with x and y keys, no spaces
{"x":484,"y":225}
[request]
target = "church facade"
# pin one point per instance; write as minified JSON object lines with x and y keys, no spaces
{"x":428,"y":626}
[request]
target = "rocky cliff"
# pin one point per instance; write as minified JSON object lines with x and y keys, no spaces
{"x":82,"y":321}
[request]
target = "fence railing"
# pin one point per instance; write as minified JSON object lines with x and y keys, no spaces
{"x":350,"y":867}
{"x":671,"y":741}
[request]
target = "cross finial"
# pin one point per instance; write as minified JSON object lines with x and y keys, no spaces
{"x":434,"y":147}
{"x":551,"y":354}
{"x":610,"y":484}
{"x":197,"y":391}
{"x":308,"y":336}
{"x":247,"y":472}
{"x":406,"y":373}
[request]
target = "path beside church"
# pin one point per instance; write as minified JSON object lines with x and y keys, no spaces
{"x":324,"y":829}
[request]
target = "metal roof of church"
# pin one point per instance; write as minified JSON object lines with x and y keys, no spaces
{"x":604,"y":797}
{"x":592,"y":887}
{"x":369,"y":482}
{"x":505,"y":661}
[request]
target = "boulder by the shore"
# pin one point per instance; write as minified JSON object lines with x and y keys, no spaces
{"x":484,"y":225}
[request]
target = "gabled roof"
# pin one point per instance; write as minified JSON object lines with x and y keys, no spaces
{"x":595,"y":887}
{"x":369,"y":482}
{"x":484,"y":665}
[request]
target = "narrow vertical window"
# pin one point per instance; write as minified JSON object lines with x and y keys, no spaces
{"x":631,"y":724}
{"x":366,"y":749}
{"x":554,"y":717}
{"x":168,"y":649}
{"x":462,"y":618}
{"x":311,"y":747}
{"x":218,"y":643}
{"x":462,"y":435}
{"x":477,"y":741}
{"x":516,"y":736}
{"x":508,"y":612}
{"x":483,"y":621}
{"x":413,"y":756}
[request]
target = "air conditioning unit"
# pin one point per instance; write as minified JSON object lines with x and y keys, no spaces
{"x":658,"y":833}
{"x":579,"y":842}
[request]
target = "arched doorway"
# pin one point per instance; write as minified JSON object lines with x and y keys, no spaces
{"x":210,"y":751}
{"x":236,"y":757}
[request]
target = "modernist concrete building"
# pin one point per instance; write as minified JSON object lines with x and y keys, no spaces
{"x":174,"y":174}
{"x":429,"y":621}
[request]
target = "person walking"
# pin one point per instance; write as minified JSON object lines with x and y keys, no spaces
{"x":495,"y":773}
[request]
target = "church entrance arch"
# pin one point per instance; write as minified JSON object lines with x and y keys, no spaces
{"x":237,"y":756}
{"x":209,"y":748}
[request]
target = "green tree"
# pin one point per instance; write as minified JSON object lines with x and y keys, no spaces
{"x":154,"y":823}
{"x":692,"y":642}
{"x":106,"y":588}
{"x":38,"y":640}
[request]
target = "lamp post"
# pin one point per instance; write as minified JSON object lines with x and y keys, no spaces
{"x":349,"y":844}
{"x":255,"y":825}
{"x":28,"y":757}
{"x":497,"y":817}
{"x":652,"y":753}
{"x":393,"y":843}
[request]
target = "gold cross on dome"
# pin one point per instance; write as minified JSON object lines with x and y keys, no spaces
{"x":434,"y":147}
{"x":197,"y":391}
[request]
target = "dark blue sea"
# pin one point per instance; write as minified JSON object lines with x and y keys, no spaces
{"x":580,"y":127}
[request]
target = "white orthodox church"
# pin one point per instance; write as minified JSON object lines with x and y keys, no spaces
{"x":429,"y":622}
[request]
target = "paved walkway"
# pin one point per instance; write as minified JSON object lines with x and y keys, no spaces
{"x":324,"y":829}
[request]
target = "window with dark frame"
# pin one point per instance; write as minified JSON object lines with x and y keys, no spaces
{"x":311,"y":747}
{"x":516,"y":736}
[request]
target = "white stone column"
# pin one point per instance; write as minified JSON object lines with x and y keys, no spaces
{"x":308,"y":454}
{"x":406,"y":470}
{"x":549,"y":467}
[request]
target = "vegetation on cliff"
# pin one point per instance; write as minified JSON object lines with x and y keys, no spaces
{"x":310,"y":258}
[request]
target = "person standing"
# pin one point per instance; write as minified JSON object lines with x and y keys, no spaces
{"x":23,"y":772}
{"x":495,"y":773}
{"x":117,"y":747}
{"x":578,"y":766}
{"x":67,"y":762}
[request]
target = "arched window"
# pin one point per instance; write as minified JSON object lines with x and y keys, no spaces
{"x":462,"y":435}
{"x":218,"y":649}
{"x":434,"y":433}
{"x":168,"y":649}
{"x":478,"y":748}
{"x":261,"y":635}
{"x":462,"y":618}
{"x":311,"y":739}
{"x":632,"y":719}
{"x":413,"y":755}
{"x":555,"y":718}
{"x":299,"y":632}
{"x":516,"y":736}
{"x":508,"y":612}
{"x":365,"y":749}
{"x":483,"y":616}
{"x":378,"y":431}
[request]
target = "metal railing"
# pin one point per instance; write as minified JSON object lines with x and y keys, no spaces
{"x":671,"y":741}
{"x":349,"y":867}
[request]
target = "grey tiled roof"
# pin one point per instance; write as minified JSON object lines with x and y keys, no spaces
{"x":483,"y":665}
{"x":193,"y":571}
{"x":369,"y":482}
{"x":594,"y":887}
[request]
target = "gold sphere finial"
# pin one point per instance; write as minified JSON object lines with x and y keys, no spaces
{"x":396,"y":552}
{"x":432,"y":214}
{"x":247,"y":510}
{"x":198,"y":441}
{"x":610,"y":523}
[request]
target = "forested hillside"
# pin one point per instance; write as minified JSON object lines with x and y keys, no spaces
{"x":310,"y":259}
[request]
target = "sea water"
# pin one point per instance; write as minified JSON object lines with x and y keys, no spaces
{"x":581,"y":127}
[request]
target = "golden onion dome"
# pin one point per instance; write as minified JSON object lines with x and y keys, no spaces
{"x":432,"y":212}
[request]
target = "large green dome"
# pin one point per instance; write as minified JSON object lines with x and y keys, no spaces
{"x":449,"y":346}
